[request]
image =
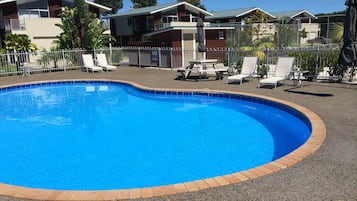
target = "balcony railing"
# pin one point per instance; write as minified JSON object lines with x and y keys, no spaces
{"x":14,"y":25}
{"x":176,"y":24}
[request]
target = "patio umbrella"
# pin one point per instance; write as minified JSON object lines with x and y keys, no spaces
{"x":201,"y":36}
{"x":348,"y":54}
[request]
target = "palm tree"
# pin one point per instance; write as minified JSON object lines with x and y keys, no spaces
{"x":69,"y":38}
{"x":96,"y":38}
{"x":336,"y":32}
{"x":22,"y":43}
{"x":258,"y":17}
{"x":19,"y":44}
{"x":81,"y":29}
{"x":285,"y":34}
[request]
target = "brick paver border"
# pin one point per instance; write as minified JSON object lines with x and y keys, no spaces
{"x":315,"y":140}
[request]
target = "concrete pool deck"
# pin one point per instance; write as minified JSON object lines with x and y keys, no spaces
{"x":328,"y":174}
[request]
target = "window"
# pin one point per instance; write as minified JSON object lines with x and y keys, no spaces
{"x":169,"y":18}
{"x":43,"y":13}
{"x":221,"y":35}
{"x":136,"y":24}
{"x":33,"y":13}
{"x":194,"y":19}
{"x":150,"y":23}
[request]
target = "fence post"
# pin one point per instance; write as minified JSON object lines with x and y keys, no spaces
{"x":171,"y":57}
{"x":63,"y":58}
{"x":266,"y":61}
{"x":17,"y":62}
{"x":228,"y":57}
{"x":316,"y":63}
{"x":139,"y":59}
{"x":159,"y":55}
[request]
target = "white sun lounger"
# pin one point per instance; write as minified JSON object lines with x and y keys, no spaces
{"x":102,"y":62}
{"x":248,"y":68}
{"x":89,"y":64}
{"x":282,"y":72}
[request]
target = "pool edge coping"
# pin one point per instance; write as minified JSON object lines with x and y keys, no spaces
{"x":316,"y":139}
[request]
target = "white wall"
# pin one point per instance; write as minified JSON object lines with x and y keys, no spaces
{"x":42,"y":31}
{"x":312,"y":29}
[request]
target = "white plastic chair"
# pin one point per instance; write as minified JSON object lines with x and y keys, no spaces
{"x":102,"y":62}
{"x":249,"y":66}
{"x":283,"y":69}
{"x":89,"y":64}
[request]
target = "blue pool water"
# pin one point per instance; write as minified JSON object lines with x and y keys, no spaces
{"x":102,"y":135}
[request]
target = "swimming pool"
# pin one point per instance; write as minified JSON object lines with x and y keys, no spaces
{"x":156,"y":142}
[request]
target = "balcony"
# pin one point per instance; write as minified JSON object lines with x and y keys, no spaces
{"x":14,"y":26}
{"x":163,"y":26}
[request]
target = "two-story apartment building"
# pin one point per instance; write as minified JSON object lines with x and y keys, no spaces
{"x":302,"y":20}
{"x":167,"y":25}
{"x":239,"y":18}
{"x":299,"y":20}
{"x":37,"y":18}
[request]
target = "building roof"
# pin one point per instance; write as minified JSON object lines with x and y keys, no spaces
{"x":159,"y":8}
{"x":6,"y":1}
{"x":101,"y":7}
{"x":235,"y":13}
{"x":293,"y":14}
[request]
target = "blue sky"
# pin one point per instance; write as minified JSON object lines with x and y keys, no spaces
{"x":313,"y":6}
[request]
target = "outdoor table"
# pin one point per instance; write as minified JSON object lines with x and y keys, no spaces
{"x":205,"y":66}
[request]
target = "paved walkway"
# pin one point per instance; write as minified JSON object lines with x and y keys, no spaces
{"x":328,"y":174}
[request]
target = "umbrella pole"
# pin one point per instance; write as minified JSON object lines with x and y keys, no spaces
{"x":352,"y":72}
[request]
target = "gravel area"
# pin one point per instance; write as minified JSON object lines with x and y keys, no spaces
{"x":328,"y":174}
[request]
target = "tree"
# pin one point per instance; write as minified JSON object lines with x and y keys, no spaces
{"x":82,"y":18}
{"x":114,"y":4}
{"x":69,"y":38}
{"x":22,"y":43}
{"x":19,"y":43}
{"x":258,"y":17}
{"x":336,"y":32}
{"x":48,"y":56}
{"x":195,"y":3}
{"x":143,"y":3}
{"x":96,"y":38}
{"x":81,"y":29}
{"x":285,"y":34}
